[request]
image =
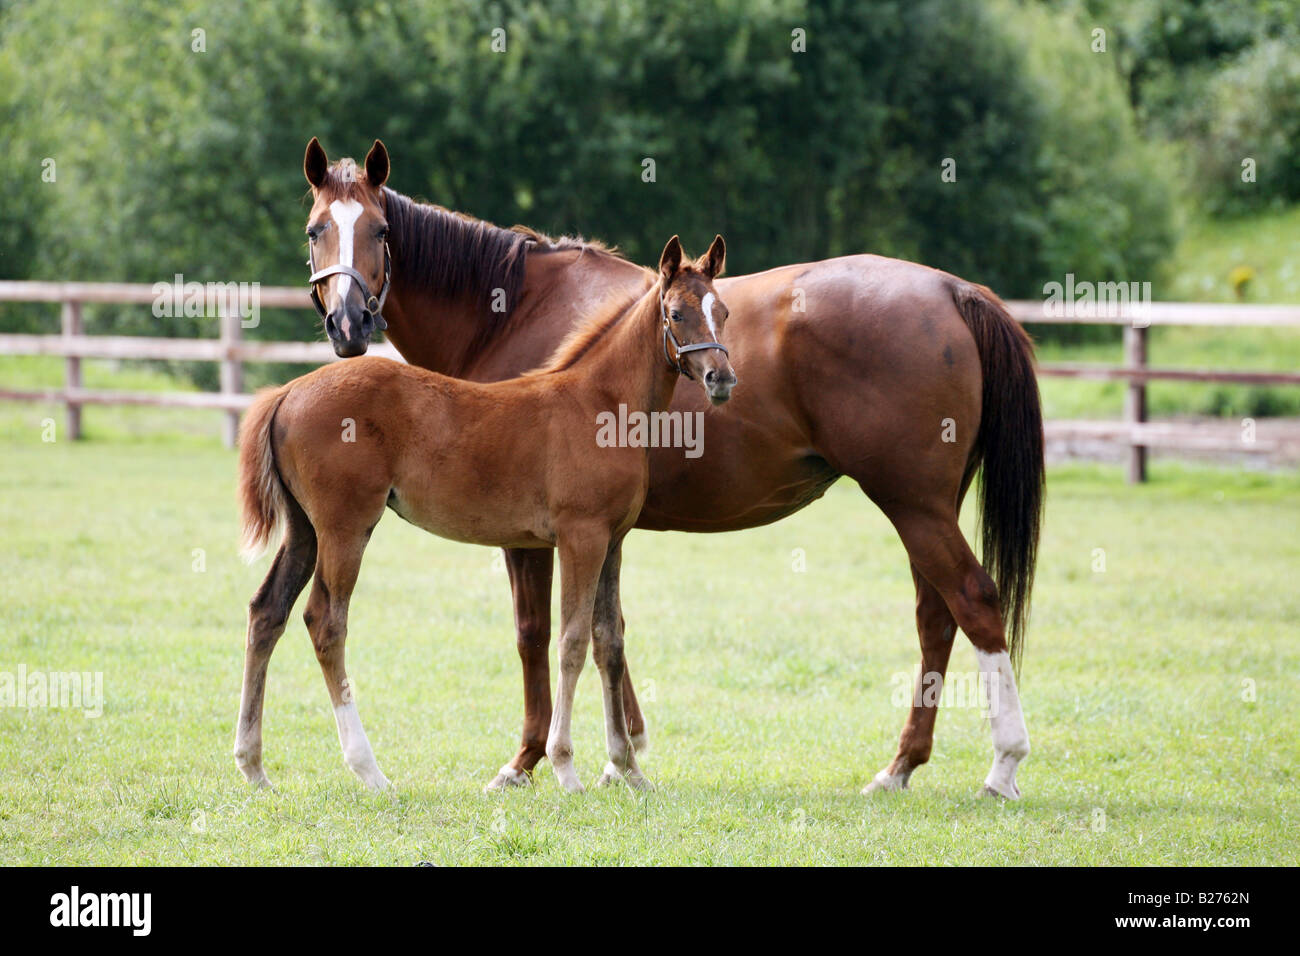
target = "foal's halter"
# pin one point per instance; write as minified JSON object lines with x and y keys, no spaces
{"x":675,"y":358}
{"x":374,"y":304}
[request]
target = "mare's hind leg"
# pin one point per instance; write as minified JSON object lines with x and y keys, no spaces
{"x":936,"y":628}
{"x":267,"y":613}
{"x":607,"y":649}
{"x":940,"y":552}
{"x":326,"y":617}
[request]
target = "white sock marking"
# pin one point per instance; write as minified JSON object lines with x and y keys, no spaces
{"x":1010,"y":739}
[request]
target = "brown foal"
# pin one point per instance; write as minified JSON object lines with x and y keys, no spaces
{"x":531,"y":462}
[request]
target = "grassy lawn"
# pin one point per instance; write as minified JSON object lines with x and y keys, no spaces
{"x":770,"y":693}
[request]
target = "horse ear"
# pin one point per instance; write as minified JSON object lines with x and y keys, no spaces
{"x":671,"y":259}
{"x":377,"y":165}
{"x":315,"y":163}
{"x":715,"y":260}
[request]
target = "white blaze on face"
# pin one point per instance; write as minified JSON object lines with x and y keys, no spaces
{"x":345,"y":213}
{"x":706,"y":304}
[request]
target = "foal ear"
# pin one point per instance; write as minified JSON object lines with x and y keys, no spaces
{"x":315,"y":164}
{"x":671,"y":259}
{"x":377,"y":165}
{"x":715,"y":260}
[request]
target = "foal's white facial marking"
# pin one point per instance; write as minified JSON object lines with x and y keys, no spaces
{"x":707,"y":305}
{"x":346,"y":212}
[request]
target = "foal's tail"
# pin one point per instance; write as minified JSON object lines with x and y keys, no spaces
{"x":1010,"y":447}
{"x":261,"y":492}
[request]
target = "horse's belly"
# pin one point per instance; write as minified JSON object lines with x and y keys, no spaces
{"x":730,"y":492}
{"x":501,"y":522}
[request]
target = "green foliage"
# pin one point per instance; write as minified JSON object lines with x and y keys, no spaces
{"x":175,"y":160}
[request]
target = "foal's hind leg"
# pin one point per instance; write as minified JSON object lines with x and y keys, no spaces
{"x":607,"y":649}
{"x":531,"y":571}
{"x":941,"y":554}
{"x":936,"y":629}
{"x":267,"y":614}
{"x":327,"y":622}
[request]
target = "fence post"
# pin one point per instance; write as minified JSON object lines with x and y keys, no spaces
{"x":1135,"y":399}
{"x":72,"y":328}
{"x":232,"y":372}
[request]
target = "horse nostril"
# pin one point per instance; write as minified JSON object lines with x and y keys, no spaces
{"x":331,"y":327}
{"x":710,"y":377}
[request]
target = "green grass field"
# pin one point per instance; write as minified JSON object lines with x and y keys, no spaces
{"x":770,"y":693}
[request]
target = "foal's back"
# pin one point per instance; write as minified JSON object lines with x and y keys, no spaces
{"x":485,"y":463}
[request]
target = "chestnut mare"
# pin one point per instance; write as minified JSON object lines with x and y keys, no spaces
{"x":902,"y":377}
{"x":514,"y":464}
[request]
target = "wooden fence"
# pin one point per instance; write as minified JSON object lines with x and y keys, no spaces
{"x":231,"y":350}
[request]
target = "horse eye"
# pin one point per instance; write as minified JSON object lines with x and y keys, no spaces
{"x":677,"y":316}
{"x":383,"y":233}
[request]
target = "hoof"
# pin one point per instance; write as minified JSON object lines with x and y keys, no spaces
{"x":507,"y":777}
{"x":633,"y":778}
{"x":378,"y":784}
{"x":1000,"y":792}
{"x":256,"y":776}
{"x":886,"y":782}
{"x":568,"y":779}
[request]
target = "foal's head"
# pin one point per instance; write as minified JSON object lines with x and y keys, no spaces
{"x":694,"y":317}
{"x":347,"y":233}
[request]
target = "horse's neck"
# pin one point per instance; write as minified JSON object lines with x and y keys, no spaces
{"x":628,"y":360}
{"x":430,"y":330}
{"x":560,"y":289}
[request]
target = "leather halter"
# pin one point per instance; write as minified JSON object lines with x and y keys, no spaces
{"x":374,"y":304}
{"x":675,"y":358}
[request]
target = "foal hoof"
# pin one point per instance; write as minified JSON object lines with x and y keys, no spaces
{"x":568,"y":779}
{"x":886,"y":782}
{"x":256,"y":776}
{"x":633,"y":778}
{"x":507,"y":777}
{"x":1000,"y":791}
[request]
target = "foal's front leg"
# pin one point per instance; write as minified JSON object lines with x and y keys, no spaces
{"x":607,"y":649}
{"x":582,"y":555}
{"x":337,"y":564}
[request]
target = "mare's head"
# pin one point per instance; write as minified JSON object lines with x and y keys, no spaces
{"x":694,"y":317}
{"x":347,"y":234}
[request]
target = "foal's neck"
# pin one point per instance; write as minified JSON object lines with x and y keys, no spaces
{"x":628,"y":360}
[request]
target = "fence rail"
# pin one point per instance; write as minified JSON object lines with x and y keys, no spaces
{"x":231,"y":351}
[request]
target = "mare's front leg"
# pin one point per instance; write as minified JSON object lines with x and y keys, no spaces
{"x":607,"y":649}
{"x":531,"y":571}
{"x":583,"y":549}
